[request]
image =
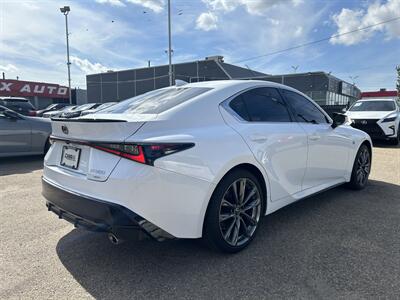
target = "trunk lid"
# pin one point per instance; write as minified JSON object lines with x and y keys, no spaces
{"x":70,"y":155}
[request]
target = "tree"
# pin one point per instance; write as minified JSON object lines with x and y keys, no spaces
{"x":398,"y":80}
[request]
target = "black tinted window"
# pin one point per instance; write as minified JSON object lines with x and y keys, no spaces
{"x":18,"y":105}
{"x":304,"y":109}
{"x":261,"y":105}
{"x":238,"y":106}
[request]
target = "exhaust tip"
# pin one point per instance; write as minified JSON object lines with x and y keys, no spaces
{"x":113,"y":239}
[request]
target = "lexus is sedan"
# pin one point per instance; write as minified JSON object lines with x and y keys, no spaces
{"x":380,"y":118}
{"x":203,"y":160}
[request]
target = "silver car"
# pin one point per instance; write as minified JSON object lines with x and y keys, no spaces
{"x":22,"y":135}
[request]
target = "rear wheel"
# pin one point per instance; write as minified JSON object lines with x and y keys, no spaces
{"x":234,"y":212}
{"x":361,"y":168}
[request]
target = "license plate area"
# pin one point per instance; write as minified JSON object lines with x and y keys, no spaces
{"x":70,"y":157}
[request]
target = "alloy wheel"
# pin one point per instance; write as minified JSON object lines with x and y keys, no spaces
{"x":363,"y":166}
{"x":240,"y":211}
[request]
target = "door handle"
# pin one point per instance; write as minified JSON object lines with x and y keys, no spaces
{"x":258,"y":138}
{"x":314,"y":137}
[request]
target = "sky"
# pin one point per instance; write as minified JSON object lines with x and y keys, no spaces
{"x":125,"y":34}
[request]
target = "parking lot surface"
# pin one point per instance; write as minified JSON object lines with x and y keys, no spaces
{"x":340,"y":243}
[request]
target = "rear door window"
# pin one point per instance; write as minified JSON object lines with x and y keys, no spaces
{"x":157,"y":101}
{"x":261,"y":105}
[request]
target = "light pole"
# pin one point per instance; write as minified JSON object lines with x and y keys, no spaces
{"x":295,"y":68}
{"x":169,"y":45}
{"x":353,"y":79}
{"x":65,"y":10}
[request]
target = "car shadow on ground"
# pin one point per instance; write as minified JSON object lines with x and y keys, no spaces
{"x":20,"y":165}
{"x":335,"y":244}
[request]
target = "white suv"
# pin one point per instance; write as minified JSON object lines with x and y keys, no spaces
{"x":378,"y":117}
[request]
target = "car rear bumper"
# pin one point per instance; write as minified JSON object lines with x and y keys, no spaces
{"x":97,"y":215}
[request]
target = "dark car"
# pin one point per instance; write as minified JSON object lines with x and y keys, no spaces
{"x":51,"y":107}
{"x":76,"y":112}
{"x":20,"y":105}
{"x":23,"y":135}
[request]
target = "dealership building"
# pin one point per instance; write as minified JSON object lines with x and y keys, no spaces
{"x":40,"y":94}
{"x":120,"y":85}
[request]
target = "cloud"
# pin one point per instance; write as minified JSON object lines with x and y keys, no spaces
{"x":155,"y":5}
{"x":207,"y":21}
{"x":86,"y":66}
{"x":112,"y":2}
{"x":353,"y":19}
{"x":8,"y":68}
{"x":39,"y":52}
{"x":254,"y":7}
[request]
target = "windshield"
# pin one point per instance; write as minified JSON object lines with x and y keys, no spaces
{"x":51,"y":106}
{"x":85,"y":106}
{"x":156,"y":102}
{"x":373,"y":106}
{"x":105,"y":105}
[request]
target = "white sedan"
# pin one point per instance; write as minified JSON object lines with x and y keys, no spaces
{"x":201,"y":160}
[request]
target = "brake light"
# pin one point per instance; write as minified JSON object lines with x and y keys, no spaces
{"x":32,"y":113}
{"x":142,"y":153}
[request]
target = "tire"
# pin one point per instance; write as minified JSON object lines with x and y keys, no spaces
{"x":361,"y":168}
{"x":241,"y":214}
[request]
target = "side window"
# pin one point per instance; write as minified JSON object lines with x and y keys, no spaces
{"x":261,"y":105}
{"x":238,"y":106}
{"x":304,"y":110}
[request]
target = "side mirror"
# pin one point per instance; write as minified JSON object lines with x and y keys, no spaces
{"x":11,"y":114}
{"x":338,"y":119}
{"x":344,"y":109}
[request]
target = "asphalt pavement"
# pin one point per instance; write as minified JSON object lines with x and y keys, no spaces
{"x":338,"y":244}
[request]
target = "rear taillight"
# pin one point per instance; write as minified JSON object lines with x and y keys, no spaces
{"x":32,"y":113}
{"x":142,"y":153}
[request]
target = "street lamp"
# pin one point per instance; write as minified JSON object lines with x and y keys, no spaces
{"x":170,"y":75}
{"x":65,"y":10}
{"x":353,"y":79}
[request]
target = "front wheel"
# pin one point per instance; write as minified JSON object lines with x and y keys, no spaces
{"x":234,"y":212}
{"x":361,"y":168}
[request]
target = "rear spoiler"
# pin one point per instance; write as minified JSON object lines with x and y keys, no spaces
{"x":87,"y":120}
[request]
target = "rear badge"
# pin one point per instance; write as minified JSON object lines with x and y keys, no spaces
{"x":64,"y":129}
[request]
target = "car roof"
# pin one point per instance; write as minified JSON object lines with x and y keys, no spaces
{"x":377,"y":99}
{"x":227,"y":83}
{"x":14,"y":98}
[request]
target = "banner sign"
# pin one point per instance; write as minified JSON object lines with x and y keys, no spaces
{"x":18,"y":88}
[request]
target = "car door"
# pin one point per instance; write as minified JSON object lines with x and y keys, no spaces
{"x":278,"y":144}
{"x":15,"y":134}
{"x":328,"y":148}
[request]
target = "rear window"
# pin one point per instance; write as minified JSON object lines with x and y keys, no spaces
{"x":156,"y":102}
{"x":19,"y":104}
